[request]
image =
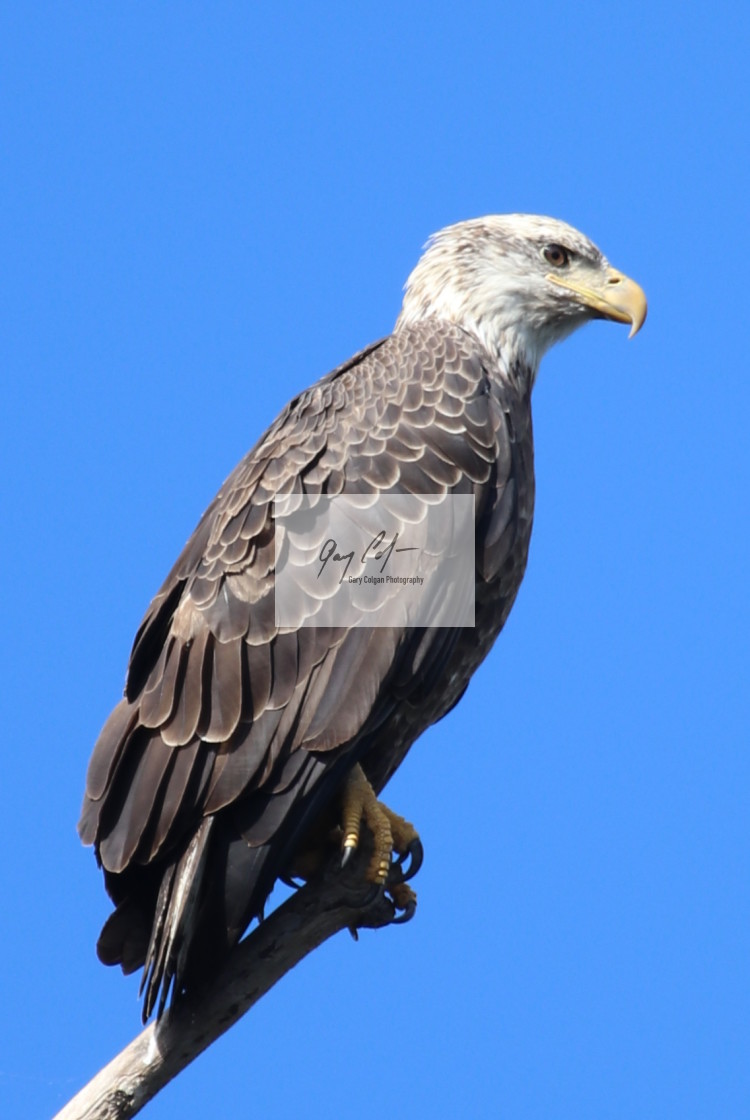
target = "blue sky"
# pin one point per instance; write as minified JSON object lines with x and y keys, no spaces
{"x":203,"y":209}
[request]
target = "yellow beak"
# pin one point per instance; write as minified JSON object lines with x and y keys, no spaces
{"x":612,"y":294}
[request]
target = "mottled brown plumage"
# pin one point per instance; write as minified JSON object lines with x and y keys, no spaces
{"x":233,"y":736}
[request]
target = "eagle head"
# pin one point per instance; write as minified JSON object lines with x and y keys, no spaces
{"x":519,"y":283}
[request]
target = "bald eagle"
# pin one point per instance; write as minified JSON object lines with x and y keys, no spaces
{"x":241,"y":745}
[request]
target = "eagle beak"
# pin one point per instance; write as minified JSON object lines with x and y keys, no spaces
{"x":612,"y":296}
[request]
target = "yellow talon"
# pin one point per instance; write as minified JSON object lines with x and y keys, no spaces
{"x":390,"y":831}
{"x":361,"y":803}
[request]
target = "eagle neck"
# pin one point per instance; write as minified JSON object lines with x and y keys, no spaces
{"x":511,"y":367}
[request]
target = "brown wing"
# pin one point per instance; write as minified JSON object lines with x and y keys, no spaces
{"x":229,"y":721}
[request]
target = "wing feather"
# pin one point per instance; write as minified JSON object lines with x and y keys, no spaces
{"x":192,"y":700}
{"x":285,"y":662}
{"x":135,"y":790}
{"x":226,"y":704}
{"x":114,"y":734}
{"x":160,"y":694}
{"x":182,"y":790}
{"x":236,"y":767}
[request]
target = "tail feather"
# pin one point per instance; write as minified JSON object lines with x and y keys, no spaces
{"x":124,"y":937}
{"x":175,"y":923}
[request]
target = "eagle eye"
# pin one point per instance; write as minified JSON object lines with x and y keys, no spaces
{"x":556,"y":255}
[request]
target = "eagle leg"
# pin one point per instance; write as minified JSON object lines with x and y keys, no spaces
{"x":391,"y":833}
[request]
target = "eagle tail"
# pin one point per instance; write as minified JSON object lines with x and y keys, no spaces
{"x":175,"y":923}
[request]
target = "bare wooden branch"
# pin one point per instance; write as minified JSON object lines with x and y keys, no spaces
{"x":313,"y":914}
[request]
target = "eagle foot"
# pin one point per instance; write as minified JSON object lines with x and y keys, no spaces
{"x":391,"y":834}
{"x":400,"y":898}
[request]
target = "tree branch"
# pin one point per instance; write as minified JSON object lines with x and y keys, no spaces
{"x":313,"y":914}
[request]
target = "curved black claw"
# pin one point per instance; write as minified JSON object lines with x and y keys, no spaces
{"x":400,"y":874}
{"x":406,"y":914}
